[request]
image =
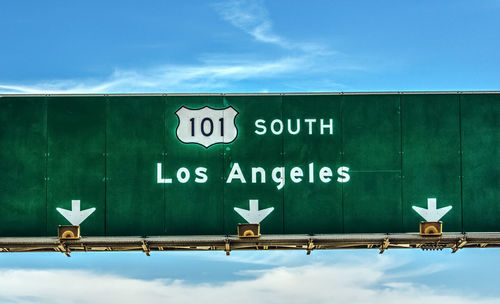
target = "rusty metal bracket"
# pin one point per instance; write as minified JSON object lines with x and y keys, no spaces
{"x":310,"y":246}
{"x":437,"y":245}
{"x":384,"y":245}
{"x":145,"y":248}
{"x":227,"y":247}
{"x":459,"y":245}
{"x":64,"y":249}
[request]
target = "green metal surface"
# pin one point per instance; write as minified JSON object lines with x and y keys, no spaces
{"x":372,"y":203}
{"x":371,"y":126}
{"x":76,"y":128}
{"x":252,"y":150}
{"x":192,"y":208}
{"x":323,"y":213}
{"x":324,"y":163}
{"x":134,"y":144}
{"x":431,"y":157}
{"x":481,"y":162}
{"x":23,"y":142}
{"x":372,"y":150}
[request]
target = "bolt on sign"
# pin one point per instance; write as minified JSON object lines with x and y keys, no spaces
{"x":127,"y":165}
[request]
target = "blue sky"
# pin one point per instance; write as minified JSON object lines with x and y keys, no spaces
{"x":248,"y":46}
{"x":251,"y":46}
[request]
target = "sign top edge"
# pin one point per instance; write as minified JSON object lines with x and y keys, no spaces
{"x":252,"y":94}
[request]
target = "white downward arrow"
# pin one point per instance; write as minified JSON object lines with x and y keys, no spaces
{"x":254,"y":215}
{"x":432,"y":214}
{"x":75,"y":216}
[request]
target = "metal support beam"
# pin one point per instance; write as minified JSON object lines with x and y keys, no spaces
{"x":453,"y":241}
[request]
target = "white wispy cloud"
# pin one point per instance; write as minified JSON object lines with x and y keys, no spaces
{"x":253,"y":18}
{"x":315,"y":283}
{"x":302,"y":66}
{"x":289,"y":73}
{"x":168,"y":78}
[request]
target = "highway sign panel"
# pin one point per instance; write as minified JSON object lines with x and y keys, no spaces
{"x":199,"y":164}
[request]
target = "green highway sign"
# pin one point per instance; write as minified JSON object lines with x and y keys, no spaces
{"x":174,"y":164}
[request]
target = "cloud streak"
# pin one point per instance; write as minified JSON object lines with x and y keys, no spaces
{"x":316,"y":283}
{"x":208,"y":77}
{"x":253,"y":18}
{"x":301,"y":64}
{"x":168,"y":78}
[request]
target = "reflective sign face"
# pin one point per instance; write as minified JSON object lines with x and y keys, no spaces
{"x":201,"y":164}
{"x":206,"y":126}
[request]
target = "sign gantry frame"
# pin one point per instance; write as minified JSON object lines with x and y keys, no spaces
{"x":307,"y":243}
{"x":316,"y":170}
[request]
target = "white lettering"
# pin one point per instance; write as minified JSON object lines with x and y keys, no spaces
{"x":324,"y":174}
{"x":259,"y":175}
{"x":159,"y":178}
{"x":280,"y":130}
{"x":183,"y":175}
{"x":296,"y":174}
{"x":201,"y":175}
{"x":236,"y":174}
{"x":328,"y":126}
{"x":290,"y":127}
{"x":311,"y":172}
{"x":310,"y":122}
{"x":259,"y":123}
{"x":262,"y":173}
{"x":277,"y":126}
{"x":279,"y":179}
{"x":345,"y":177}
